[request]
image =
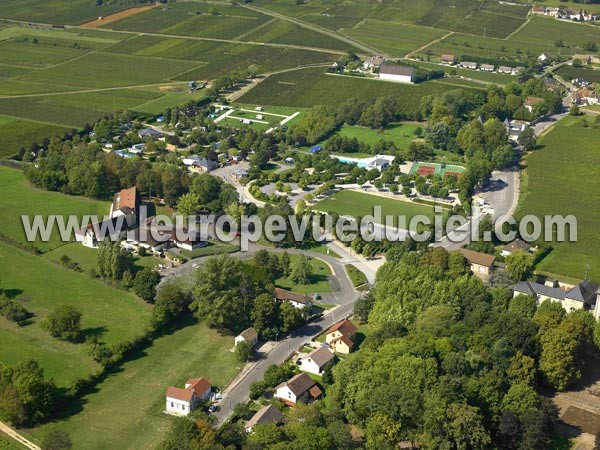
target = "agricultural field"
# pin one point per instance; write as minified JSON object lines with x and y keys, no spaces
{"x":392,"y":38}
{"x":561,"y":179}
{"x":112,"y":315}
{"x":15,"y":133}
{"x":308,"y":87}
{"x":319,"y":281}
{"x":55,"y":11}
{"x":281,"y":32}
{"x":140,"y":385}
{"x":22,"y":199}
{"x":545,"y":31}
{"x":569,"y":73}
{"x":359,"y":204}
{"x":497,"y":78}
{"x":401,"y":133}
{"x":195,"y":19}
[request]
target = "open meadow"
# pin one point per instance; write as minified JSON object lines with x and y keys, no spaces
{"x":359,"y":204}
{"x":308,"y":87}
{"x":319,"y":281}
{"x":112,"y":315}
{"x":401,"y":133}
{"x":127,"y":406}
{"x":562,"y":179}
{"x":20,"y":198}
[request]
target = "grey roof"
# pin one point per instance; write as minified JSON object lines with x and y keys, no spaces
{"x":321,"y":356}
{"x":298,"y":384}
{"x":394,"y":69}
{"x":266,"y":414}
{"x":149,"y":132}
{"x":584,"y":292}
{"x":517,"y":244}
{"x":531,"y":288}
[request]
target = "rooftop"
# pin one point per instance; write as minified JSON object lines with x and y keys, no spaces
{"x":395,"y":69}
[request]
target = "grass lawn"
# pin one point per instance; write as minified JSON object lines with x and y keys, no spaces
{"x":561,"y":178}
{"x":359,"y":204}
{"x":7,"y":443}
{"x":115,"y":316}
{"x":126,"y":410}
{"x":318,"y":280}
{"x":19,"y":198}
{"x":356,"y":276}
{"x":401,"y":133}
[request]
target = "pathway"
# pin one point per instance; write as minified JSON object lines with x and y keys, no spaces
{"x":435,"y":41}
{"x":17,"y":437}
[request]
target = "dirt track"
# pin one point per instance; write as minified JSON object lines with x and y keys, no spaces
{"x":117,"y":16}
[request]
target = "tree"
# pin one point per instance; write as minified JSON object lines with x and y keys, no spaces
{"x":301,"y":270}
{"x":188,"y":204}
{"x":524,"y":305}
{"x":145,"y":284}
{"x":527,"y":139}
{"x":64,"y":322}
{"x":291,"y":317}
{"x":244,"y":351}
{"x":170,"y":303}
{"x":56,"y":440}
{"x":574,"y":110}
{"x":264,"y":314}
{"x":520,"y":264}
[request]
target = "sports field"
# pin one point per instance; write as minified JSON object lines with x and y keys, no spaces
{"x":561,"y":178}
{"x":359,"y":204}
{"x":128,"y":405}
{"x":113,"y":315}
{"x":440,"y":170}
{"x":20,"y":198}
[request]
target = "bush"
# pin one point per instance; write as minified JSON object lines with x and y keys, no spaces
{"x":13,"y":310}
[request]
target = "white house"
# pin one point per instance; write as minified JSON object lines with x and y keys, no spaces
{"x":113,"y":229}
{"x":181,"y":402}
{"x":488,"y":67}
{"x":396,"y":73}
{"x":265,"y":415}
{"x":585,"y":295}
{"x":300,"y":388}
{"x":316,"y":361}
{"x":468,"y":65}
{"x":299,"y":301}
{"x":372,"y":62}
{"x":514,"y":129}
{"x":249,"y":335}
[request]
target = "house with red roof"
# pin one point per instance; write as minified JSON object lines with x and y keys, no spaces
{"x":181,"y":402}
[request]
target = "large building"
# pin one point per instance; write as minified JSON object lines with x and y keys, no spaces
{"x":126,"y":203}
{"x":585,"y":295}
{"x":396,"y":73}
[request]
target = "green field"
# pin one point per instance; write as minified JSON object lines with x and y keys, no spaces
{"x":568,"y":73}
{"x":318,"y":283}
{"x":126,"y":410}
{"x":561,"y":179}
{"x":19,"y":198}
{"x":16,"y":133}
{"x":401,"y":133}
{"x":393,"y":38}
{"x":111,"y":314}
{"x":55,"y":11}
{"x":309,"y":87}
{"x":358,"y":204}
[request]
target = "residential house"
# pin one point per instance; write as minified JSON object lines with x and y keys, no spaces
{"x":487,"y":67}
{"x":300,"y":388}
{"x":150,"y":133}
{"x":373,"y":62}
{"x":544,"y":58}
{"x":448,"y":59}
{"x":317,"y":361}
{"x":126,"y":203}
{"x":240,"y":173}
{"x":265,"y":415}
{"x":299,"y":301}
{"x":112,"y":229}
{"x":506,"y":70}
{"x":585,"y":295}
{"x":182,"y":402}
{"x":149,"y":237}
{"x":200,"y":163}
{"x":585,"y":96}
{"x":532,"y":102}
{"x":137,"y":148}
{"x":482,"y":264}
{"x":341,"y":337}
{"x":248,"y":335}
{"x":515,"y":128}
{"x":468,"y":65}
{"x":514,"y":246}
{"x":396,"y":73}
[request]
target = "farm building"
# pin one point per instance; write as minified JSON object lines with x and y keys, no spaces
{"x":448,"y":59}
{"x":396,"y":73}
